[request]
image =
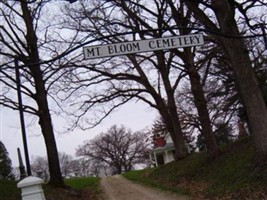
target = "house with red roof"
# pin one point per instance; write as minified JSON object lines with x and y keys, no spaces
{"x":163,"y":151}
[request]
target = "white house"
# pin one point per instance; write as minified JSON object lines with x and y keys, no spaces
{"x":164,"y":149}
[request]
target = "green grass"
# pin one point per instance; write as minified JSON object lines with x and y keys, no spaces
{"x":85,"y":187}
{"x":232,"y":174}
{"x":82,"y":188}
{"x":91,"y":183}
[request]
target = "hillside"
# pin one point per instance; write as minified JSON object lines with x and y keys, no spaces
{"x":233,"y":175}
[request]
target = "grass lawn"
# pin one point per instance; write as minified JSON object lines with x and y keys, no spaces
{"x":91,"y":183}
{"x":85,"y":188}
{"x":232,"y":175}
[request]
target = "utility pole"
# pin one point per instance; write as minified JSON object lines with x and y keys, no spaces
{"x":23,"y":130}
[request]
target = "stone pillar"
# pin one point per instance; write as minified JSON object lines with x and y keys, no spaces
{"x":166,"y":156}
{"x":156,"y":161}
{"x":31,"y":188}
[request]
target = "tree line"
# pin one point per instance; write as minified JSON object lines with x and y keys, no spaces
{"x":114,"y":151}
{"x":195,"y":90}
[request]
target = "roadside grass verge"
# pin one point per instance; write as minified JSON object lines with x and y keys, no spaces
{"x":86,"y":188}
{"x":233,"y":175}
{"x":80,"y":188}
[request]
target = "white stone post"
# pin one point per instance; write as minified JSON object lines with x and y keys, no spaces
{"x":166,"y":157}
{"x":31,"y":188}
{"x":156,"y":160}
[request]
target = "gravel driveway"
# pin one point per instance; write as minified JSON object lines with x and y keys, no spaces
{"x":119,"y":188}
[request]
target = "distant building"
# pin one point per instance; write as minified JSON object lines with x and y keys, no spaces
{"x":163,"y":151}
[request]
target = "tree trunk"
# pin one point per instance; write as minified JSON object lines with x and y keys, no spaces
{"x":201,"y":105}
{"x":251,"y":94}
{"x":179,"y":142}
{"x":168,"y":111}
{"x":47,"y":129}
{"x":238,"y":54}
{"x":177,"y":134}
{"x":41,"y":98}
{"x":171,"y":116}
{"x":196,"y":87}
{"x":172,"y":123}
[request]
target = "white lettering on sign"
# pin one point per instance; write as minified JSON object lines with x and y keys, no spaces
{"x":139,"y":46}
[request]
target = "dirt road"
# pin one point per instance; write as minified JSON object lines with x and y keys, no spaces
{"x":119,"y":188}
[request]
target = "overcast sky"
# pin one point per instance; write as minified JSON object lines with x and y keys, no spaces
{"x":136,"y":116}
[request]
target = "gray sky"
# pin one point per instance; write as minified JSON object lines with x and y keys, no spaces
{"x":136,"y":116}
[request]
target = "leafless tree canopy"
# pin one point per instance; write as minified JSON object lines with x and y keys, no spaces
{"x":119,"y":148}
{"x":193,"y":89}
{"x":39,"y":167}
{"x":30,"y":37}
{"x":68,"y":166}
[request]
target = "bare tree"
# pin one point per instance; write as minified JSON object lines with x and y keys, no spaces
{"x":228,"y":34}
{"x":151,"y":77}
{"x":81,"y":167}
{"x":66,"y":164}
{"x":40,"y":165}
{"x":119,"y":148}
{"x":40,"y":168}
{"x":84,"y":166}
{"x":26,"y":40}
{"x":100,"y":169}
